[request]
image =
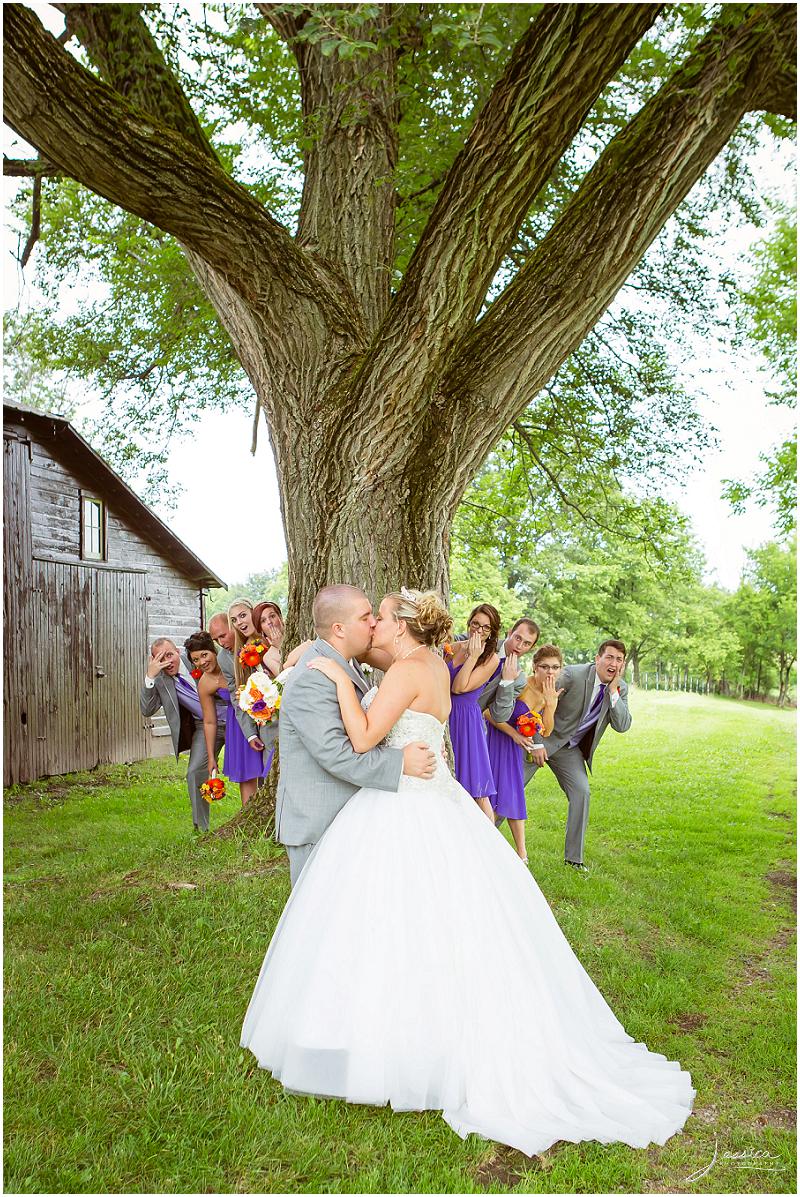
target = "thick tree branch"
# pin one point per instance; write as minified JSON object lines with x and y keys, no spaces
{"x":555,"y":74}
{"x":83,"y":127}
{"x":623,"y":203}
{"x":28,"y":168}
{"x":347,"y":210}
{"x":286,"y":24}
{"x":128,"y":58}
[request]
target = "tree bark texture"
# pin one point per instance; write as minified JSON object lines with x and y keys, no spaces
{"x":381,"y":407}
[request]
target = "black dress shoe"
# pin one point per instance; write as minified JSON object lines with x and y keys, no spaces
{"x":576,"y":865}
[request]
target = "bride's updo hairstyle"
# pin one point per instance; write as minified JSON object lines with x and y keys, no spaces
{"x":425,"y":615}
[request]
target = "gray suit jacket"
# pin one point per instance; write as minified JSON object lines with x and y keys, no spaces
{"x":319,"y":768}
{"x":182,"y":724}
{"x":499,"y":696}
{"x":578,"y":683}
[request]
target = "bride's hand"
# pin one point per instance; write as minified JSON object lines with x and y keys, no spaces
{"x":331,"y":669}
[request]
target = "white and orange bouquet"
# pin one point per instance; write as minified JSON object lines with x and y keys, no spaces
{"x":260,"y":697}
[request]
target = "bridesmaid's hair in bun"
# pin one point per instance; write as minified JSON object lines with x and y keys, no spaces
{"x":426,"y":616}
{"x":199,"y":642}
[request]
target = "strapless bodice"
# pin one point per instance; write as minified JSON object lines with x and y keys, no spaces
{"x":418,"y":727}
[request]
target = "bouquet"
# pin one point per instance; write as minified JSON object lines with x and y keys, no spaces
{"x":530,"y":724}
{"x":213,"y":789}
{"x":252,"y":654}
{"x":260,"y":697}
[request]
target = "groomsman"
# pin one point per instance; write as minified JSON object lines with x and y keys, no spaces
{"x":220,"y":630}
{"x":168,"y":684}
{"x":501,"y":691}
{"x":594,"y":697}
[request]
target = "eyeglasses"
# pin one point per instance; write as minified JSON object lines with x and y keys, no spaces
{"x":549,"y":668}
{"x":479,"y":627}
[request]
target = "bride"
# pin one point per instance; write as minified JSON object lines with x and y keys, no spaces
{"x":415,"y":933}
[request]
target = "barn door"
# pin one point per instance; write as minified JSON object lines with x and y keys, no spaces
{"x":120,"y":631}
{"x":62,"y":728}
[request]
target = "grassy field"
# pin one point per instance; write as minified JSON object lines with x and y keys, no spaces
{"x":131,"y":949}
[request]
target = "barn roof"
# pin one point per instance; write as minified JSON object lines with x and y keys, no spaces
{"x":68,"y":446}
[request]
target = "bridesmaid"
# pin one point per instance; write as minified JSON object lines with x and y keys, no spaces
{"x":472,"y":663}
{"x":507,"y":745}
{"x":268,"y":622}
{"x":243,"y":764}
{"x":240,"y":615}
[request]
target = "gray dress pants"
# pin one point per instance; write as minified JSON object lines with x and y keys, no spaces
{"x":298,"y":855}
{"x":569,"y":766}
{"x":198,"y":773}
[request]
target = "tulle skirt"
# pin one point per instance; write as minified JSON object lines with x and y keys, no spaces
{"x":418,"y":964}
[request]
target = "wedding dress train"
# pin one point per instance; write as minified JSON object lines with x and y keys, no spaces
{"x":417,"y":963}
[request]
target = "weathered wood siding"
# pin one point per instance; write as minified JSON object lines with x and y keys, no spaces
{"x":17,"y":645}
{"x":96,"y":619}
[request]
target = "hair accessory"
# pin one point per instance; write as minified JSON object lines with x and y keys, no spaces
{"x":409,"y":595}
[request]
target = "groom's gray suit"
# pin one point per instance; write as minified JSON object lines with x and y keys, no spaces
{"x":570,"y":761}
{"x":319,"y":768}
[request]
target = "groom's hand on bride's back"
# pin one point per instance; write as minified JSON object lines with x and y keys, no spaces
{"x":418,"y":761}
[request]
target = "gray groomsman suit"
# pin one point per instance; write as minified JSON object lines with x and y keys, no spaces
{"x":570,"y":761}
{"x":319,"y":768}
{"x":187,"y":733}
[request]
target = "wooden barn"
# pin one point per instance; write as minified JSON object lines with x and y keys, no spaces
{"x":92,"y":577}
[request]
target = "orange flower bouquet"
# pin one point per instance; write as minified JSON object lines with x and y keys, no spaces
{"x":213,"y":790}
{"x":252,"y":654}
{"x":530,"y":724}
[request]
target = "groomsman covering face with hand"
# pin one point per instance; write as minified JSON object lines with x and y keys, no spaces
{"x":168,"y":684}
{"x":593,"y":698}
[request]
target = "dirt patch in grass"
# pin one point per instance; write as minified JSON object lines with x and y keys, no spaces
{"x":46,"y":792}
{"x":778,"y":814}
{"x":779,"y":1117}
{"x":688,"y":1022}
{"x":504,"y":1167}
{"x":55,"y":879}
{"x":784,"y":880}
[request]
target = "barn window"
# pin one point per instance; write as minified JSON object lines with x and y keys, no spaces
{"x":93,"y":529}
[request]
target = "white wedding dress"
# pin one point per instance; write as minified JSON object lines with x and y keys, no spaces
{"x":418,"y":963}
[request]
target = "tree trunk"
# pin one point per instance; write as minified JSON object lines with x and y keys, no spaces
{"x":381,"y":407}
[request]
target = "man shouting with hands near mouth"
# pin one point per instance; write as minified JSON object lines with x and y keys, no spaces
{"x":593,"y":696}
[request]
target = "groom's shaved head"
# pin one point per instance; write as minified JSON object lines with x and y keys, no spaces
{"x":335,"y":604}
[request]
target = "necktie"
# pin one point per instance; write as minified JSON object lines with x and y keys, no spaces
{"x":591,"y":715}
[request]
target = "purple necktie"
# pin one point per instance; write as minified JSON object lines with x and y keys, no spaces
{"x":591,"y":716}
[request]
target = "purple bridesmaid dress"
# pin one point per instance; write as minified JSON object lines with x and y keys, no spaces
{"x":242,"y":763}
{"x":468,"y":737}
{"x":506,"y":759}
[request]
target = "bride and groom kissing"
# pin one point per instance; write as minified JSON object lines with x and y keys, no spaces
{"x":414,"y":935}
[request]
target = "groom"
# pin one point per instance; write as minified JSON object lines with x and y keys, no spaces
{"x":593,"y":698}
{"x":319,"y":768}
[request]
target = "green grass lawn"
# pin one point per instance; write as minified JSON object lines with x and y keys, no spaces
{"x":132,"y":946}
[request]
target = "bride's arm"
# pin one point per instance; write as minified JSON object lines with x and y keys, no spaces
{"x":365,"y":729}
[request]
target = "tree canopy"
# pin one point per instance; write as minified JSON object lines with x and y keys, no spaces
{"x":404,"y":218}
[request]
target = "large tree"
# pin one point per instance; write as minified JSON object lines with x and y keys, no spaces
{"x":386,"y":378}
